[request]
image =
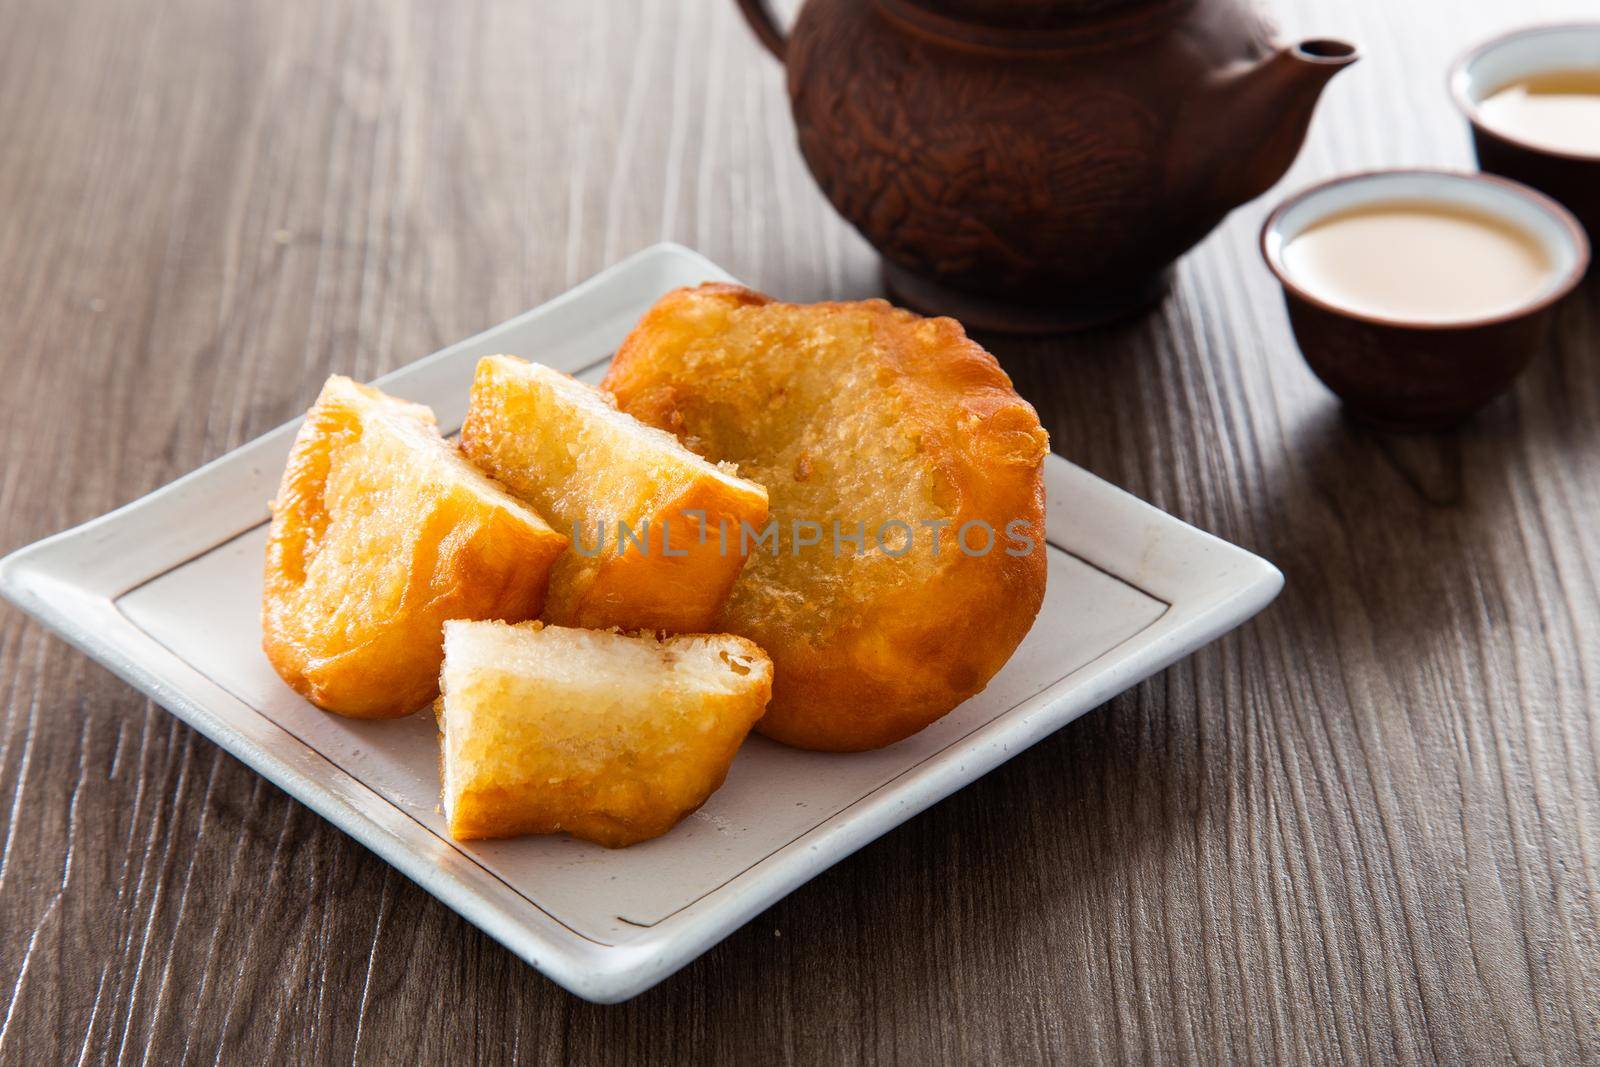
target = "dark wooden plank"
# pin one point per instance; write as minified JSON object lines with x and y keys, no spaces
{"x":1362,"y":828}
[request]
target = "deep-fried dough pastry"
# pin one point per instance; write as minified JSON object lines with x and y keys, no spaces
{"x":863,"y":415}
{"x":605,"y":736}
{"x":564,"y":448}
{"x":381,"y":531}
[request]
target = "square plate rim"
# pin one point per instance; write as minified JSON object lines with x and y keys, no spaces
{"x":1237,"y":585}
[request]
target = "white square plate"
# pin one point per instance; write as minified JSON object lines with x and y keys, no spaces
{"x":166,"y":591}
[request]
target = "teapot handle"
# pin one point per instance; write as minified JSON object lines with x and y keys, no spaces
{"x":759,"y":15}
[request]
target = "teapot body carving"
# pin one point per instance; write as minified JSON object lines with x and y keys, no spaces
{"x":1040,"y":166}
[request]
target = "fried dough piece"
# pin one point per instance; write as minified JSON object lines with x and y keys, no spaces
{"x":608,"y":737}
{"x":564,"y":448}
{"x":380,"y":532}
{"x":856,"y":413}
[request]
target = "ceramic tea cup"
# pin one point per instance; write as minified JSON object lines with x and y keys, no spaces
{"x":1423,"y":370}
{"x":1567,"y":167}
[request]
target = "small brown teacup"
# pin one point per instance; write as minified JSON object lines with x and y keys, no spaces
{"x":1427,"y":370}
{"x":1568,"y":171}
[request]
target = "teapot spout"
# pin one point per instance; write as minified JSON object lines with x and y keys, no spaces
{"x":1268,"y":107}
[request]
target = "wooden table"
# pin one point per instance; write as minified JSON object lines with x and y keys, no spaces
{"x":1365,"y":827}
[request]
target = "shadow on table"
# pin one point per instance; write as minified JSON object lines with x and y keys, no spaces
{"x":1034,"y":854}
{"x":1389,"y":527}
{"x":1417,"y":534}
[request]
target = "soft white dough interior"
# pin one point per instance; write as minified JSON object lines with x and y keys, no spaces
{"x":631,"y":431}
{"x":450,"y":463}
{"x":512,"y":695}
{"x":595,"y":661}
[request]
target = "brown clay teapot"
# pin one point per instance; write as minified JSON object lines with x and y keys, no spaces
{"x":1037,"y":165}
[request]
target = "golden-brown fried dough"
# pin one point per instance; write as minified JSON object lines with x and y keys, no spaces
{"x":856,"y":413}
{"x":608,"y":737}
{"x":381,"y":531}
{"x":565,"y":448}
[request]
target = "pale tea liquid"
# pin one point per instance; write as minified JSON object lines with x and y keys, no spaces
{"x":1419,"y":261}
{"x":1558,"y":109}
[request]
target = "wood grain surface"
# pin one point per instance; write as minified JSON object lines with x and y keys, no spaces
{"x":1363,"y":828}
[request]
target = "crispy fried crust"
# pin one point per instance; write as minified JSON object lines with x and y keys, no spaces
{"x":564,"y":448}
{"x":609,"y":737}
{"x":380,"y":532}
{"x":847,"y":411}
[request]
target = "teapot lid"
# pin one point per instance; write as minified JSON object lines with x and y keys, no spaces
{"x":1019,"y":14}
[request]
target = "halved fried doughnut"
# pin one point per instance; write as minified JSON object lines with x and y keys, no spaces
{"x":380,"y":532}
{"x":565,"y":448}
{"x":609,"y":737}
